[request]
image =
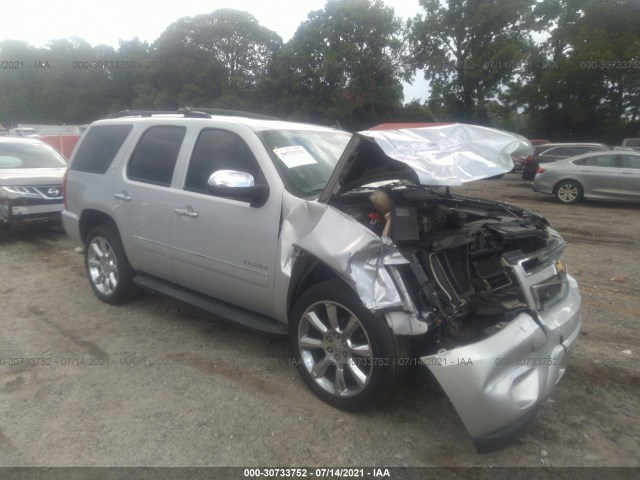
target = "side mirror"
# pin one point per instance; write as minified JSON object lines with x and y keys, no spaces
{"x":238,"y":186}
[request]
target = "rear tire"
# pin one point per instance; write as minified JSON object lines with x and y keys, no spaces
{"x":568,"y":192}
{"x":347,"y":356}
{"x":108,"y":270}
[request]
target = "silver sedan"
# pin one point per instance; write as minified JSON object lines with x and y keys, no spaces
{"x":612,"y":175}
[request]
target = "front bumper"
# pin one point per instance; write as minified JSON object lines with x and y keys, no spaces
{"x":497,"y":385}
{"x":23,"y":211}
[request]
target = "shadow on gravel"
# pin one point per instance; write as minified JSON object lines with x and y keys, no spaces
{"x":31,"y":234}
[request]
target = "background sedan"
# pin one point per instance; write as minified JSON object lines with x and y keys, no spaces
{"x":553,"y":152}
{"x":612,"y":175}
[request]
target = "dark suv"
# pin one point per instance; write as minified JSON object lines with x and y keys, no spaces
{"x":552,"y":152}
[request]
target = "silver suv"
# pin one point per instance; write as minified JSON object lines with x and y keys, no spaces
{"x":352,"y":245}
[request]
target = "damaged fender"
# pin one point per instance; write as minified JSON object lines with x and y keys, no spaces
{"x":357,"y":255}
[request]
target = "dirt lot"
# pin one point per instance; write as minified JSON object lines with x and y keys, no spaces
{"x":175,"y":386}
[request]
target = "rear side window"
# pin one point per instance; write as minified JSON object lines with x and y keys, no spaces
{"x":551,"y":152}
{"x":99,"y":147}
{"x":573,"y":151}
{"x":608,"y":161}
{"x":629,"y":161}
{"x":155,"y":155}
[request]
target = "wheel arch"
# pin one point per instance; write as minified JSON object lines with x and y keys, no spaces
{"x":92,"y":218}
{"x":308,"y":270}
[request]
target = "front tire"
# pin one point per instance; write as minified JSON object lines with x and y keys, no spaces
{"x":568,"y":192}
{"x":108,"y":270}
{"x":345,"y":355}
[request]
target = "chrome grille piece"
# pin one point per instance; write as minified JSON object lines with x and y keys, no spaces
{"x":542,"y":281}
{"x":47,"y":192}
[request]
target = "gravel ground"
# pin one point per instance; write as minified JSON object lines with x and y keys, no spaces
{"x":159,"y":383}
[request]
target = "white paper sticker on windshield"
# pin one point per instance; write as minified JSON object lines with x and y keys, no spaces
{"x":294,"y":156}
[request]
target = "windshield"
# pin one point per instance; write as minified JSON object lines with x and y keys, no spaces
{"x":305,"y":158}
{"x":28,"y":155}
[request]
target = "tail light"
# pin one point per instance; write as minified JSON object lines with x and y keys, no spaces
{"x":540,"y":170}
{"x":529,"y":159}
{"x":64,"y":188}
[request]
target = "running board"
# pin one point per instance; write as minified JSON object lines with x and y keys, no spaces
{"x":237,"y":315}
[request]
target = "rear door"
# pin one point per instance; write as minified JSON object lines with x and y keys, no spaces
{"x":599,"y":175}
{"x":142,"y":199}
{"x":630,"y":176}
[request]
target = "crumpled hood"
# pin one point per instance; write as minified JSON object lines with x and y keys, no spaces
{"x":447,"y":155}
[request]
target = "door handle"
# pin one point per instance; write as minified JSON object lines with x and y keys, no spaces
{"x":122,"y":196}
{"x":185,"y":213}
{"x":627,"y":173}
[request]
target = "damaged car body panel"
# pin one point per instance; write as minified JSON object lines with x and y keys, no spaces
{"x":447,"y":155}
{"x":481,"y":284}
{"x":357,"y":255}
{"x":352,"y":245}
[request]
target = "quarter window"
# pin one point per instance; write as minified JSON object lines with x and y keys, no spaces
{"x":155,"y":155}
{"x":99,"y":147}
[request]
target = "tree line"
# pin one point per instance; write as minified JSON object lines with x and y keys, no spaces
{"x":558,"y":69}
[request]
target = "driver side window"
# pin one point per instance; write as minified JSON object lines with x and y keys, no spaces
{"x":219,"y":150}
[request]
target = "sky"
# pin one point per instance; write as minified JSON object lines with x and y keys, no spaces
{"x":107,"y":21}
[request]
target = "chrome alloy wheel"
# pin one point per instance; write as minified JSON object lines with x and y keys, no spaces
{"x":568,"y":193}
{"x":335,"y":349}
{"x":103,"y":267}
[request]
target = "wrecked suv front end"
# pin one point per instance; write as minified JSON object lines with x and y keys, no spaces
{"x":480,"y":286}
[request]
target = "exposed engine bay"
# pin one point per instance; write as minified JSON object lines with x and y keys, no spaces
{"x":460,"y":253}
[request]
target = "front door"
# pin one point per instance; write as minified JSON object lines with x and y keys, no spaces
{"x":223,"y":247}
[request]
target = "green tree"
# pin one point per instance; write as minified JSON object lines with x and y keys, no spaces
{"x":17,"y":85}
{"x":214,"y":59}
{"x":130,"y":74}
{"x":585,"y":83}
{"x":343,"y":64}
{"x":51,"y":87}
{"x":470,"y":49}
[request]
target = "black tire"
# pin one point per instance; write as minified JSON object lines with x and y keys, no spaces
{"x":367,"y":379}
{"x":568,"y":191}
{"x":108,"y":270}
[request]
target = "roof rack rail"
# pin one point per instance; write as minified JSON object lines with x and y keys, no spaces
{"x":192,"y":113}
{"x":151,"y":113}
{"x":234,"y":113}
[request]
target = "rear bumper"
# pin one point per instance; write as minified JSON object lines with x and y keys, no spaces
{"x":71,"y":224}
{"x":541,"y":185}
{"x":498,"y":384}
